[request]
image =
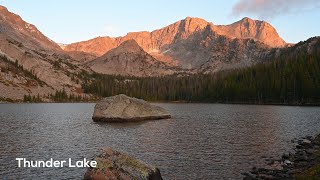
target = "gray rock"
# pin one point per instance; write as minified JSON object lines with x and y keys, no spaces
{"x":285,"y":156}
{"x":112,"y":164}
{"x":249,"y":176}
{"x":121,"y":108}
{"x":287,"y":162}
{"x":299,"y":146}
{"x":309,"y":137}
{"x":306,"y":143}
{"x":265,"y":176}
{"x":301,"y":158}
{"x":311,"y":151}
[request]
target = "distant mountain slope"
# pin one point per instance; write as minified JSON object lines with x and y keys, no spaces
{"x":129,"y":59}
{"x":192,"y":42}
{"x":158,"y":39}
{"x":14,"y":26}
{"x":97,"y":46}
{"x":32,"y":63}
{"x":23,"y":43}
{"x":15,"y":82}
{"x":289,"y":76}
{"x":208,"y":51}
{"x":253,"y":29}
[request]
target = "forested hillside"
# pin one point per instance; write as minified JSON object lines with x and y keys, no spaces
{"x":293,"y":77}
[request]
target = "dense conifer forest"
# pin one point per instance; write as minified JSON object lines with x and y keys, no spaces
{"x":291,"y":78}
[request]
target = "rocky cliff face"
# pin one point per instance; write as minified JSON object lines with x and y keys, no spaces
{"x":15,"y":27}
{"x":97,"y":46}
{"x":193,"y":43}
{"x":129,"y":59}
{"x":149,"y":41}
{"x":253,"y":29}
{"x":208,"y":51}
{"x":24,"y":43}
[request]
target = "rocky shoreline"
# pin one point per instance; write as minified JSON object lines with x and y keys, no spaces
{"x":5,"y":102}
{"x":303,"y":164}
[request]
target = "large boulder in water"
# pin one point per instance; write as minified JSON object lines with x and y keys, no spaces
{"x":121,"y":108}
{"x":112,"y":164}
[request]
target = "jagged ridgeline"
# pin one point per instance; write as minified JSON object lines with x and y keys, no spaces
{"x":293,"y":77}
{"x":245,"y":62}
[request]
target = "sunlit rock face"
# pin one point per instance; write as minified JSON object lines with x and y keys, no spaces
{"x":194,"y":43}
{"x":23,"y":43}
{"x":130,"y":59}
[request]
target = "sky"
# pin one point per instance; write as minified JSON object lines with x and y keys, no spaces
{"x":67,"y":21}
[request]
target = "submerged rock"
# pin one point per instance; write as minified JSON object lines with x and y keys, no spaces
{"x":122,"y":108}
{"x":112,"y":164}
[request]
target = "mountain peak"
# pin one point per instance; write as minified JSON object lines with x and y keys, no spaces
{"x":160,"y":40}
{"x":253,"y":21}
{"x":129,"y":59}
{"x":196,"y":19}
{"x":184,"y":28}
{"x":21,"y":30}
{"x":253,"y":29}
{"x":130,"y":46}
{"x":246,"y":19}
{"x":2,"y":8}
{"x":192,"y":24}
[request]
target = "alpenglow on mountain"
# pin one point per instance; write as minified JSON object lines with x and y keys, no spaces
{"x":188,"y":46}
{"x":194,"y":43}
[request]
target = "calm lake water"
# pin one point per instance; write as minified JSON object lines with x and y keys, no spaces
{"x":201,"y":141}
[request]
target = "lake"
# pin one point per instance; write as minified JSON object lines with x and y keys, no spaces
{"x":201,"y":141}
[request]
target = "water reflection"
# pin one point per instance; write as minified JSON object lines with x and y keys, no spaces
{"x":202,"y":141}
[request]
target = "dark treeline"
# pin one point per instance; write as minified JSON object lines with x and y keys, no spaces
{"x":58,"y":96}
{"x":30,"y":98}
{"x":63,"y":96}
{"x":293,"y":78}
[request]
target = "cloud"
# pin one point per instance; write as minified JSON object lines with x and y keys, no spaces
{"x":268,"y":9}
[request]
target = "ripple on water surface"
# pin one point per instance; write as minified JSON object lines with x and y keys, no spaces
{"x":201,"y":141}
